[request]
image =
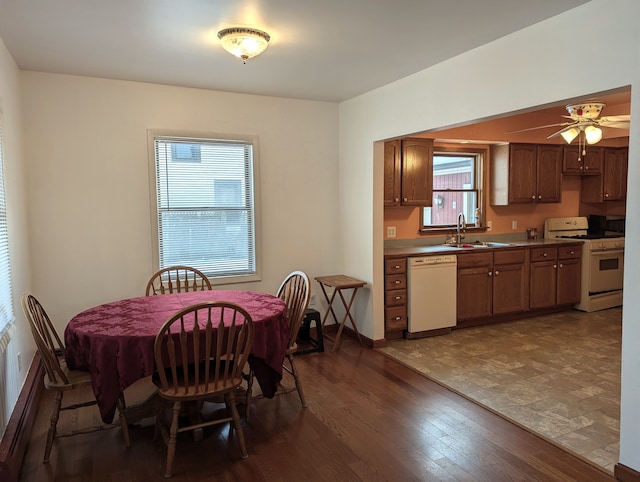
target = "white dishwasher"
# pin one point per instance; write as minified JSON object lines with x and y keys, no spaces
{"x":432,"y":294}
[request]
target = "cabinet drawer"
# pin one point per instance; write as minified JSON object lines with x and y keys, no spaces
{"x":543,"y":254}
{"x":395,"y":282}
{"x":395,"y":298}
{"x":517,"y":256}
{"x":568,"y":252}
{"x":395,"y":318}
{"x":472,"y":260}
{"x":395,"y":266}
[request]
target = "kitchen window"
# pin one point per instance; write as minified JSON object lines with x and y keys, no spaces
{"x":204,"y":203}
{"x":457,"y":182}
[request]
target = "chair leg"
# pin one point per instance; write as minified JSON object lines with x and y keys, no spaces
{"x":294,"y":372}
{"x":173,"y":435}
{"x":53,"y":427}
{"x":230,"y":401}
{"x":249,"y":394}
{"x":123,"y":421}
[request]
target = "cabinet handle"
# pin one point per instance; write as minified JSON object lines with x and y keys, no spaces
{"x":398,"y":318}
{"x":397,"y":199}
{"x":544,"y":255}
{"x":533,"y":197}
{"x":606,"y":195}
{"x":405,"y":199}
{"x":572,"y":252}
{"x":586,"y":167}
{"x":398,"y":298}
{"x":539,"y":196}
{"x":560,"y":265}
{"x":397,"y":281}
{"x":497,"y":272}
{"x":555,"y":266}
{"x":490,"y":273}
{"x":397,"y":266}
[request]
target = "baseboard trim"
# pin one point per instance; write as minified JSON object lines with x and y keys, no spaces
{"x":626,"y":474}
{"x":13,"y":445}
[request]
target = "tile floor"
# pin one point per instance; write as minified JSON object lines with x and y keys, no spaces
{"x":558,"y":375}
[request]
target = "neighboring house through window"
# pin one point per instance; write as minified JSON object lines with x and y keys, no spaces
{"x":457,"y":187}
{"x":205,"y":205}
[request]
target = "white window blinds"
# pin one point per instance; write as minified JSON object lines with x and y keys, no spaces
{"x":6,"y":300}
{"x":205,"y":205}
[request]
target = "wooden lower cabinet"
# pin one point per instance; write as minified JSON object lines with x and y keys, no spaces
{"x":492,"y":283}
{"x":395,"y":298}
{"x":555,"y":276}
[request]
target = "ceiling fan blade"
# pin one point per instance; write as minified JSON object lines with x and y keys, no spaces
{"x":566,"y":128}
{"x":540,"y":127}
{"x":615,"y":124}
{"x":616,"y":118}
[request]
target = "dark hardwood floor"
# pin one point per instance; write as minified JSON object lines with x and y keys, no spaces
{"x":368,"y":418}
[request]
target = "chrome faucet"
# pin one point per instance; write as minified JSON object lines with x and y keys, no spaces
{"x":460,"y":228}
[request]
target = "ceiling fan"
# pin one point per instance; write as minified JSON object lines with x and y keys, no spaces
{"x":586,"y":120}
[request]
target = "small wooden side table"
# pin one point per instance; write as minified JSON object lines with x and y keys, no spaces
{"x":340,"y":283}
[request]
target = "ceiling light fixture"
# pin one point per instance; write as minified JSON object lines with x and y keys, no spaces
{"x":592,"y":134}
{"x":244,"y":42}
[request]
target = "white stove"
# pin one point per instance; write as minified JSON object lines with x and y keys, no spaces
{"x":602,"y":262}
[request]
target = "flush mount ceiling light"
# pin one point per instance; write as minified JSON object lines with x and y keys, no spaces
{"x":244,"y":42}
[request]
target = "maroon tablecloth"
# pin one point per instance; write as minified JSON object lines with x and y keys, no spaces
{"x":114,"y":341}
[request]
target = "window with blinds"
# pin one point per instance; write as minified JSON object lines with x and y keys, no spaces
{"x":205,"y":205}
{"x":6,"y":299}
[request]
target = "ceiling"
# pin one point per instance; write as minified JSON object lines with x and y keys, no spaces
{"x":331,"y":50}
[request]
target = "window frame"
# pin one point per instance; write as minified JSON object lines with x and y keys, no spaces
{"x":152,"y":135}
{"x":7,"y":311}
{"x":482,"y":154}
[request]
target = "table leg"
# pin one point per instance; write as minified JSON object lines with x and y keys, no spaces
{"x":329,"y":305}
{"x":344,"y":319}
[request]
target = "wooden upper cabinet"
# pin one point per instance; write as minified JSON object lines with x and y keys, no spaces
{"x":416,"y":185}
{"x":611,"y":185}
{"x":392,"y":172}
{"x":575,"y":162}
{"x":526,"y":173}
{"x":549,"y":174}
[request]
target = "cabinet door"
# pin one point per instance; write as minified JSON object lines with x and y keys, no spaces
{"x":549,"y":174}
{"x":522,"y":173}
{"x":615,"y":174}
{"x":543,"y":284}
{"x":510,"y":288}
{"x":568,"y":281}
{"x":392,"y":173}
{"x":575,"y":162}
{"x":475,"y":285}
{"x":417,"y":172}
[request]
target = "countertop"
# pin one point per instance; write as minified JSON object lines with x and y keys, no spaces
{"x":440,"y":249}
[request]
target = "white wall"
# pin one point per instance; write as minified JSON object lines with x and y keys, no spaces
{"x":528,"y":68}
{"x":16,"y":198}
{"x":89,"y":184}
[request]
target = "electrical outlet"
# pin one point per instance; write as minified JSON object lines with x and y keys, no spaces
{"x":489,"y":225}
{"x":514,"y":224}
{"x":391,"y":231}
{"x":19,"y":361}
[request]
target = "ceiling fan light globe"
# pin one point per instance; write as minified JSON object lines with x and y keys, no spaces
{"x":570,"y":134}
{"x":592,"y":134}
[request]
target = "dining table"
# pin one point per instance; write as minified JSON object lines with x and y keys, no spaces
{"x":115,"y":341}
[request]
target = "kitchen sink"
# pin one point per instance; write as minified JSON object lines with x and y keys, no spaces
{"x":478,"y":244}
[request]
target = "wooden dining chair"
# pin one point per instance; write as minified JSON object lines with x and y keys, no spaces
{"x":177,"y":279}
{"x":58,"y":377}
{"x":295,"y":292}
{"x":200,"y":352}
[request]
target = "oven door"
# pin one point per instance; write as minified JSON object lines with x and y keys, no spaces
{"x":606,"y":270}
